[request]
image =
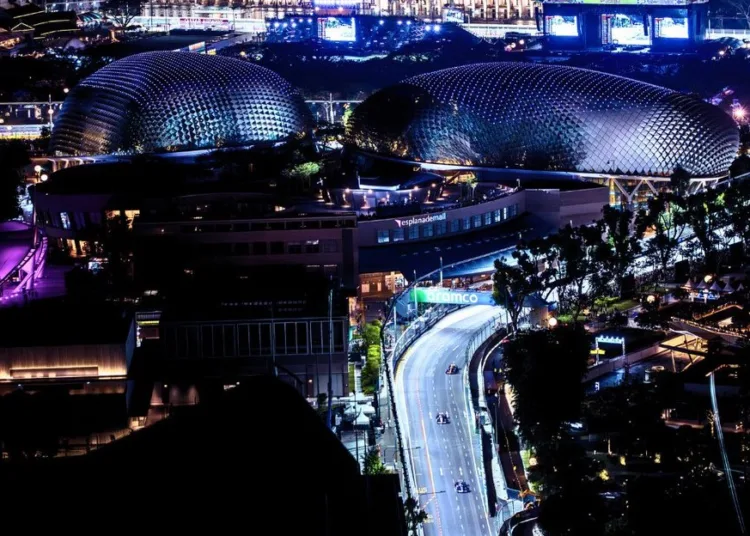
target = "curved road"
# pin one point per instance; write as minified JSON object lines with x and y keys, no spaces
{"x":443,"y":453}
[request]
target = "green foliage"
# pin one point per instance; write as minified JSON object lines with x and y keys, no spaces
{"x":415,"y":516}
{"x":371,"y":370}
{"x":545,"y":369}
{"x":373,"y":464}
{"x":616,"y":262}
{"x":663,"y":216}
{"x":679,"y":181}
{"x":513,"y":284}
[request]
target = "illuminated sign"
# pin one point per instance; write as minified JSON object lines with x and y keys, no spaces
{"x":201,"y":23}
{"x":337,"y":3}
{"x":453,"y":15}
{"x":610,"y":340}
{"x":416,"y":220}
{"x":561,"y":26}
{"x":453,"y":297}
{"x":337,"y":29}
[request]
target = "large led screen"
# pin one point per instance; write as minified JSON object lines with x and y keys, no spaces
{"x":671,"y":27}
{"x":337,"y":29}
{"x":560,"y":26}
{"x":621,"y":29}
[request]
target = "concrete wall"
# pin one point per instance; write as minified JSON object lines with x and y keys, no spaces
{"x":559,"y":208}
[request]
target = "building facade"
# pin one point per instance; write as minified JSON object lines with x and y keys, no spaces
{"x":457,"y":11}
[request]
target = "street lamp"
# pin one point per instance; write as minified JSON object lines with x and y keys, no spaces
{"x":552,"y":322}
{"x":650,"y":298}
{"x":44,"y":177}
{"x":66,"y":90}
{"x":37,"y":168}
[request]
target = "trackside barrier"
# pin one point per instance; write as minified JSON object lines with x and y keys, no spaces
{"x":391,"y":355}
{"x":476,"y":341}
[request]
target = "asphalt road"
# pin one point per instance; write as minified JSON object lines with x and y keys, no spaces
{"x":443,"y":453}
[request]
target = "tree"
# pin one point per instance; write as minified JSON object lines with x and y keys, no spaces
{"x":302,"y":175}
{"x":662,"y":217}
{"x":13,"y":156}
{"x":415,"y":516}
{"x":373,"y":464}
{"x":742,"y":8}
{"x":740,"y":166}
{"x":707,"y":217}
{"x":122,"y":12}
{"x":679,"y":181}
{"x":737,"y":203}
{"x":514,"y":283}
{"x":545,"y":369}
{"x":577,"y":250}
{"x":617,"y":260}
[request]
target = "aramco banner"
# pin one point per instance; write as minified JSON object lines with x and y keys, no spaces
{"x":454,"y":297}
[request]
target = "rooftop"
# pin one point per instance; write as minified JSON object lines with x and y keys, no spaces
{"x":60,"y":322}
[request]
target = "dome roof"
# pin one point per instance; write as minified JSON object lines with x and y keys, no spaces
{"x":159,"y":101}
{"x":545,"y":118}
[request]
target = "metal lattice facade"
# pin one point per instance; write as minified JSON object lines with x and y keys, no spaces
{"x":160,"y":101}
{"x":545,"y":118}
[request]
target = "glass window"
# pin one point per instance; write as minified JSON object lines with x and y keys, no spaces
{"x":229,"y":341}
{"x":182,"y":349}
{"x":505,"y":213}
{"x":292,"y":247}
{"x":312,"y":246}
{"x":397,"y":235}
{"x":265,"y":339}
{"x":498,"y":216}
{"x":207,"y":341}
{"x":279,"y":339}
{"x":414,"y":232}
{"x":427,"y":230}
{"x":65,"y":219}
{"x":455,"y":225}
{"x":330,"y":246}
{"x":488,"y":218}
{"x":193,"y":350}
{"x":440,"y":227}
{"x":467,"y":223}
{"x":243,"y":248}
{"x":477,"y":221}
{"x":240,"y":227}
{"x":383,"y":236}
{"x":243,"y":340}
{"x":218,"y":336}
{"x":260,"y":248}
{"x":277,"y":248}
{"x":302,"y":338}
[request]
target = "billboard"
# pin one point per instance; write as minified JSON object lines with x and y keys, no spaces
{"x":561,"y":26}
{"x":453,"y":15}
{"x":671,"y":27}
{"x":622,"y":29}
{"x":448,"y":296}
{"x":339,"y":29}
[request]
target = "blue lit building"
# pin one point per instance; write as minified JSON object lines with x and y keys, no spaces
{"x":534,"y":118}
{"x":177,"y":101}
{"x":660,"y":25}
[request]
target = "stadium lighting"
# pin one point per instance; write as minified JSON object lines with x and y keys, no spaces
{"x":381,"y":22}
{"x":739,"y":113}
